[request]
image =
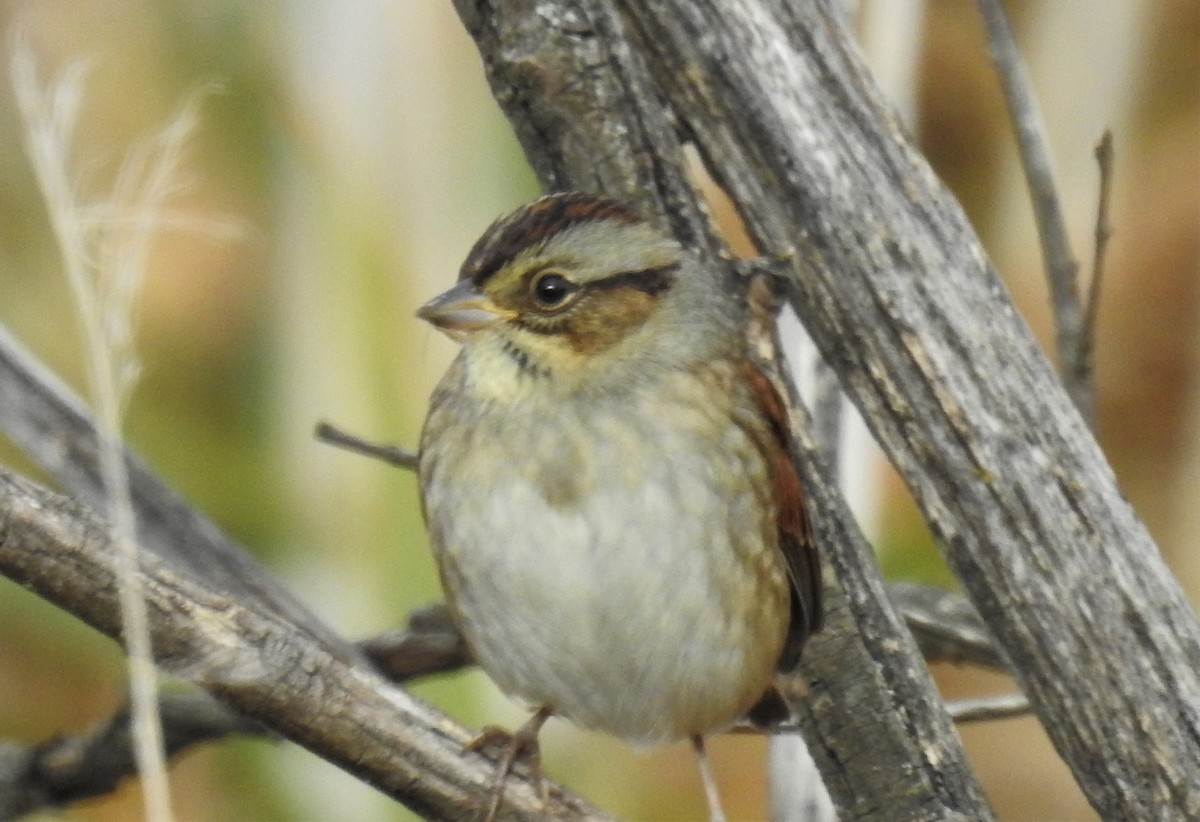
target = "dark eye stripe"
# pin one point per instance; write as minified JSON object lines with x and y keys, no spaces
{"x":652,"y":281}
{"x":649,"y":281}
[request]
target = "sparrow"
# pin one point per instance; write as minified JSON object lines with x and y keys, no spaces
{"x":607,"y":481}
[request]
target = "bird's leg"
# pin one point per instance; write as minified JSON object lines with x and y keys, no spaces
{"x":521,"y":745}
{"x":715,"y":814}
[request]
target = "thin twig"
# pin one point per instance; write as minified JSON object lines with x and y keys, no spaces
{"x":1005,"y":706}
{"x":392,"y":454}
{"x":1061,"y":266}
{"x":430,"y":644}
{"x":1104,"y":230}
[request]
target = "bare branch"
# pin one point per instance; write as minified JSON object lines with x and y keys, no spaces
{"x":1104,"y":160}
{"x":391,"y":454}
{"x":261,"y":665}
{"x":50,"y":424}
{"x":69,"y":769}
{"x":431,"y":644}
{"x":945,"y":624}
{"x":984,"y":709}
{"x":1060,"y":262}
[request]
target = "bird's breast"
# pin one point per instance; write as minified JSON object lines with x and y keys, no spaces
{"x":615,"y":561}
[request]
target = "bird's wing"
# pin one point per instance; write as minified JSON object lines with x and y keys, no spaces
{"x":795,"y":533}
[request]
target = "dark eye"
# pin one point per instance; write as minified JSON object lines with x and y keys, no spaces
{"x":551,"y":290}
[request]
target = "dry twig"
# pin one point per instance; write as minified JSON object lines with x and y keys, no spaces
{"x":1033,"y":146}
{"x":1104,"y":160}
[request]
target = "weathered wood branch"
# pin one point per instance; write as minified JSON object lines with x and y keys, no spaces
{"x":51,"y":425}
{"x":896,"y":291}
{"x":261,"y":665}
{"x":893,"y":286}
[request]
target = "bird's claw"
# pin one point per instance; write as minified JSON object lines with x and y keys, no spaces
{"x":521,"y":747}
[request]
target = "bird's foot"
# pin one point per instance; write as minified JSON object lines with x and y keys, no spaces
{"x":521,"y":746}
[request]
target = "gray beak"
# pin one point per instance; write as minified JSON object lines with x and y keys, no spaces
{"x":461,"y":311}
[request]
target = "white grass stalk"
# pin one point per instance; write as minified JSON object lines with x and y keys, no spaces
{"x":104,"y":247}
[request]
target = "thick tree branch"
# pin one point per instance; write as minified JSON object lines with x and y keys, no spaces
{"x":261,"y":665}
{"x":863,"y":678}
{"x":897,"y":293}
{"x":49,"y":423}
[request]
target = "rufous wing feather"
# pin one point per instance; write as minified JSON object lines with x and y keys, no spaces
{"x":795,"y":533}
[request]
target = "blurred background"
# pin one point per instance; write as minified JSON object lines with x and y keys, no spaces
{"x":359,"y":148}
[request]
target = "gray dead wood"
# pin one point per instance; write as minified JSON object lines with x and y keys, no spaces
{"x":50,"y":424}
{"x":261,"y":665}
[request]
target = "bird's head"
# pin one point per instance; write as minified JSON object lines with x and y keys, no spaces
{"x":566,"y":283}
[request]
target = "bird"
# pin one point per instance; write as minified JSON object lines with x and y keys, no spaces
{"x":607,"y":481}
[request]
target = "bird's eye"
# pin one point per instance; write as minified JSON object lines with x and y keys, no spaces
{"x":552,"y":290}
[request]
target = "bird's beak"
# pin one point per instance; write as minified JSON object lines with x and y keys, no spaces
{"x":461,"y":311}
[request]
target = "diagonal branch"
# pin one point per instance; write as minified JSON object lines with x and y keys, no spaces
{"x":946,"y":625}
{"x":50,"y":424}
{"x":224,"y":622}
{"x":261,"y":665}
{"x":895,"y":289}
